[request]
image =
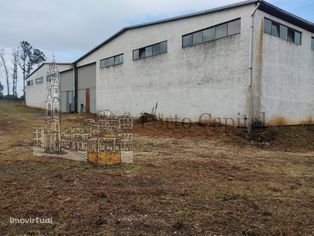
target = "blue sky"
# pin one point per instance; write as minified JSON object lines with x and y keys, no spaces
{"x":70,"y":28}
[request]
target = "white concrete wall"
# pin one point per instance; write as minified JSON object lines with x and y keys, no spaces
{"x":284,"y":76}
{"x":36,"y":94}
{"x":208,"y":78}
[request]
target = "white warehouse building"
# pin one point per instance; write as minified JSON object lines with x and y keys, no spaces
{"x":37,"y":82}
{"x":248,"y":60}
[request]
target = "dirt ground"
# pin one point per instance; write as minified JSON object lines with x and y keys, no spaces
{"x":195,"y":181}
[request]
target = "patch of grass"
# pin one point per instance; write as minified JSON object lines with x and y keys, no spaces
{"x":180,"y":215}
{"x":134,"y":167}
{"x":166,"y":199}
{"x":60,"y":165}
{"x":12,"y":109}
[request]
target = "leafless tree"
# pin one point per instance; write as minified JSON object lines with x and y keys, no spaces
{"x":15,"y":63}
{"x":29,"y":57}
{"x":6,"y":71}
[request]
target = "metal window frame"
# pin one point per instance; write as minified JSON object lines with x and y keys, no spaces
{"x":41,"y":80}
{"x":207,"y":28}
{"x":289,"y":29}
{"x":114,"y":61}
{"x":144,"y":48}
{"x":48,"y":77}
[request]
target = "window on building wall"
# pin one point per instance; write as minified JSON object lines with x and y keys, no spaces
{"x":156,"y":49}
{"x":149,"y":51}
{"x":111,"y":61}
{"x":50,"y":77}
{"x":234,"y":27}
{"x":187,"y":41}
{"x":221,"y":31}
{"x":282,"y":31}
{"x":275,"y":29}
{"x":142,"y":53}
{"x":312,"y":45}
{"x":198,"y":38}
{"x":29,"y":83}
{"x":39,"y":80}
{"x":163,"y":47}
{"x":290,"y":35}
{"x":208,"y":35}
{"x":267,"y":26}
{"x":297,"y":38}
{"x":212,"y":33}
{"x":136,"y":54}
{"x":118,"y":59}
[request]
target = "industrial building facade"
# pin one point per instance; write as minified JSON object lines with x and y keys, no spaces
{"x":249,"y":61}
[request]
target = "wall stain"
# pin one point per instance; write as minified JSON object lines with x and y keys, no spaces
{"x":259,"y":73}
{"x":281,"y":121}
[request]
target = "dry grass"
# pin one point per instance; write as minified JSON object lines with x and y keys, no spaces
{"x":203,"y":181}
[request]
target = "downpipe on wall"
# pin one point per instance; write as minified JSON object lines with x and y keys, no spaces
{"x":251,"y":118}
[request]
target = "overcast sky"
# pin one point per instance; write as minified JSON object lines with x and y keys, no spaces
{"x":70,"y":28}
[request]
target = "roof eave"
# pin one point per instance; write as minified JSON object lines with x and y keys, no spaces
{"x":228,"y":7}
{"x":286,"y":16}
{"x":46,"y":63}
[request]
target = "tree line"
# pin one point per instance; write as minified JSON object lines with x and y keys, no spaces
{"x":23,"y":59}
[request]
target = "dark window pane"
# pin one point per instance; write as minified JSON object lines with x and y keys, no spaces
{"x":209,"y":34}
{"x":107,"y":62}
{"x":156,"y":49}
{"x":275,"y":29}
{"x":102,"y":63}
{"x":49,"y":77}
{"x":142,"y":53}
{"x":313,"y":43}
{"x":221,"y":31}
{"x":148,"y":51}
{"x":163,"y":47}
{"x":267,"y":26}
{"x":111,"y":61}
{"x":118,"y":60}
{"x":187,"y":41}
{"x":234,"y":27}
{"x":136,"y":54}
{"x":297,"y":38}
{"x":197,"y":38}
{"x":284,"y":32}
{"x":39,"y":80}
{"x":290,"y":35}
